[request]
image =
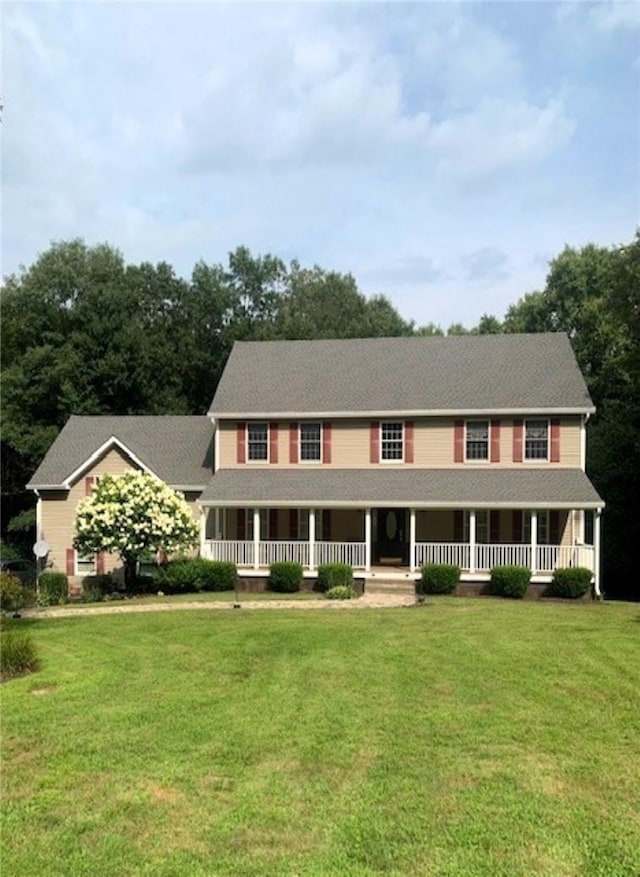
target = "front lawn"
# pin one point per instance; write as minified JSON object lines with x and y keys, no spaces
{"x":467,"y":737}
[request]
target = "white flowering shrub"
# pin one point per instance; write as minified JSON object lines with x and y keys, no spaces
{"x":132,"y":515}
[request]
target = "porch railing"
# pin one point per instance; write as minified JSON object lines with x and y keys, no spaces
{"x":353,"y":553}
{"x":242,"y":552}
{"x":548,"y":557}
{"x":457,"y":553}
{"x":488,"y":556}
{"x":231,"y":550}
{"x":275,"y":552}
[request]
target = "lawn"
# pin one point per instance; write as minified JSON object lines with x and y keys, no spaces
{"x":466,"y":737}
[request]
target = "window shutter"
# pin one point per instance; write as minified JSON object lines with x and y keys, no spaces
{"x":326,"y":525}
{"x":517,"y":441}
{"x":241,"y":524}
{"x":495,"y":441}
{"x":516,"y":526}
{"x":458,"y":525}
{"x":273,"y":523}
{"x":241,"y":443}
{"x":293,"y":524}
{"x":554,"y":527}
{"x":458,"y":441}
{"x":408,"y":441}
{"x":326,"y":442}
{"x":100,"y":563}
{"x":293,"y":442}
{"x":71,"y":556}
{"x":88,"y":485}
{"x":494,"y":526}
{"x":555,"y":441}
{"x":273,"y":442}
{"x":374,"y":442}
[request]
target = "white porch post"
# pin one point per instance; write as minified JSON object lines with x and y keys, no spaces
{"x":204,"y":514}
{"x":472,"y":540}
{"x":367,"y":539}
{"x":534,"y":540}
{"x":412,"y":540}
{"x":312,"y":538}
{"x":596,"y":553}
{"x":256,"y":538}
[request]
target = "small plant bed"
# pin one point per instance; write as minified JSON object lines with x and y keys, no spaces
{"x":193,"y":597}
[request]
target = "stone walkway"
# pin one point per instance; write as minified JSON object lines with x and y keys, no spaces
{"x":373,"y":601}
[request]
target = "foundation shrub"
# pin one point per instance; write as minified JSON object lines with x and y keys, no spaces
{"x":340,"y":592}
{"x":53,"y":588}
{"x":438,"y":578}
{"x":285,"y":577}
{"x":572,"y":582}
{"x":332,"y":575}
{"x":510,"y":580}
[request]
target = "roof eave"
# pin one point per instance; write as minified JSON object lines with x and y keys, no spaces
{"x":418,"y":412}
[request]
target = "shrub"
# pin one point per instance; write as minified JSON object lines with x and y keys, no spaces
{"x":340,"y":592}
{"x":221,"y":575}
{"x":17,"y":653}
{"x":12,"y":595}
{"x":188,"y":574}
{"x":331,"y":575}
{"x":102,"y":584}
{"x":510,"y":580}
{"x":53,"y":588}
{"x":572,"y":582}
{"x":285,"y":577}
{"x":438,"y":578}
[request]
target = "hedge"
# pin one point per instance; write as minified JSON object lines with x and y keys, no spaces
{"x":572,"y":582}
{"x":196,"y":574}
{"x":438,"y":578}
{"x":285,"y":577}
{"x":510,"y":580}
{"x":332,"y":575}
{"x":53,"y":588}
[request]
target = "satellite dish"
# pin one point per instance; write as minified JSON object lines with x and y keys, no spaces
{"x":41,"y":548}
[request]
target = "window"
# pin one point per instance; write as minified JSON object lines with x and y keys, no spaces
{"x":543,"y":528}
{"x":536,"y":440}
{"x":86,"y":565}
{"x":482,"y":526}
{"x":257,"y":441}
{"x":310,"y":442}
{"x":477,"y":442}
{"x":303,"y":525}
{"x":264,"y":524}
{"x":391,"y":441}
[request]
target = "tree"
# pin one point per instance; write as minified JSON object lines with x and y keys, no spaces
{"x":133,"y":515}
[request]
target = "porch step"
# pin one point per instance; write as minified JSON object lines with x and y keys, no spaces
{"x":382,"y":586}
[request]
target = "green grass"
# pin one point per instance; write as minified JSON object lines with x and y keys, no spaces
{"x":468,"y":737}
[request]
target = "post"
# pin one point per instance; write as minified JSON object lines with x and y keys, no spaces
{"x":534,"y":540}
{"x":367,"y":539}
{"x":216,"y":523}
{"x":204,"y":514}
{"x":256,"y":538}
{"x":412,"y":540}
{"x":472,"y":540}
{"x":596,"y":554}
{"x":312,"y":538}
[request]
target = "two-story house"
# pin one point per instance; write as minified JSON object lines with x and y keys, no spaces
{"x":384,"y":453}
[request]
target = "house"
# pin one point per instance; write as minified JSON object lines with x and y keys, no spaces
{"x":385,"y":453}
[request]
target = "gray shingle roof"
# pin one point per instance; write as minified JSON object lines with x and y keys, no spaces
{"x":178,"y":449}
{"x":458,"y":373}
{"x":419,"y":488}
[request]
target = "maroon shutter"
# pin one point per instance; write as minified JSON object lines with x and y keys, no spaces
{"x":293,"y":524}
{"x":273,"y":442}
{"x":408,"y":441}
{"x":241,"y":524}
{"x":517,"y":441}
{"x":71,"y":562}
{"x":495,"y":441}
{"x":494,"y":526}
{"x":100,"y":563}
{"x":326,"y":442}
{"x":554,"y":527}
{"x":516,"y":526}
{"x":555,"y":442}
{"x":374,"y":442}
{"x":241,"y":443}
{"x":293,"y":442}
{"x":273,"y":523}
{"x":88,"y":485}
{"x":326,"y":525}
{"x":458,"y":525}
{"x":458,"y":441}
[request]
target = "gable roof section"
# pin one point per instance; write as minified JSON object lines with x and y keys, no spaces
{"x":177,"y":449}
{"x":457,"y":374}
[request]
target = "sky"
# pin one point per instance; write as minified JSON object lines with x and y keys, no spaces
{"x":443,"y":153}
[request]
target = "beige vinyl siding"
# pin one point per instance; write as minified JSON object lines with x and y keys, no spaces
{"x":570,"y":441}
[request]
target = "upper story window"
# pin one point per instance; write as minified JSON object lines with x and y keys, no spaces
{"x":477,"y":440}
{"x":391,"y":441}
{"x":310,"y":442}
{"x":258,"y":441}
{"x":536,"y":439}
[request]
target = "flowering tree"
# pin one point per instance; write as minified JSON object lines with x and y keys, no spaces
{"x":133,"y":515}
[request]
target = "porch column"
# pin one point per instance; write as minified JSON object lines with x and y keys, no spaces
{"x":367,"y":539}
{"x":596,"y":553}
{"x":472,"y":540}
{"x":534,"y":540}
{"x":312,"y":538}
{"x":256,"y":538}
{"x":204,"y":514}
{"x":412,"y":540}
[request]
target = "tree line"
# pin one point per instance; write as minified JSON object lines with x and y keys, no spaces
{"x":83,"y":332}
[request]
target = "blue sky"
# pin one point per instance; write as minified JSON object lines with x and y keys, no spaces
{"x":441,"y":152}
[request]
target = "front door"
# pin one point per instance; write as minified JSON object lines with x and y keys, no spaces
{"x":392,"y":544}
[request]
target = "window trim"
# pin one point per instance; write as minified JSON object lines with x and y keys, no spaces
{"x":482,"y":460}
{"x":247,"y":455}
{"x":76,"y":569}
{"x":381,"y":457}
{"x":534,"y":460}
{"x":321,"y":441}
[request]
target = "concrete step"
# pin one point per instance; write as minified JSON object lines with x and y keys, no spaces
{"x":380,"y":586}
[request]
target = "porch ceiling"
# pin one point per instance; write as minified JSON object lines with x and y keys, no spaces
{"x":418,"y":488}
